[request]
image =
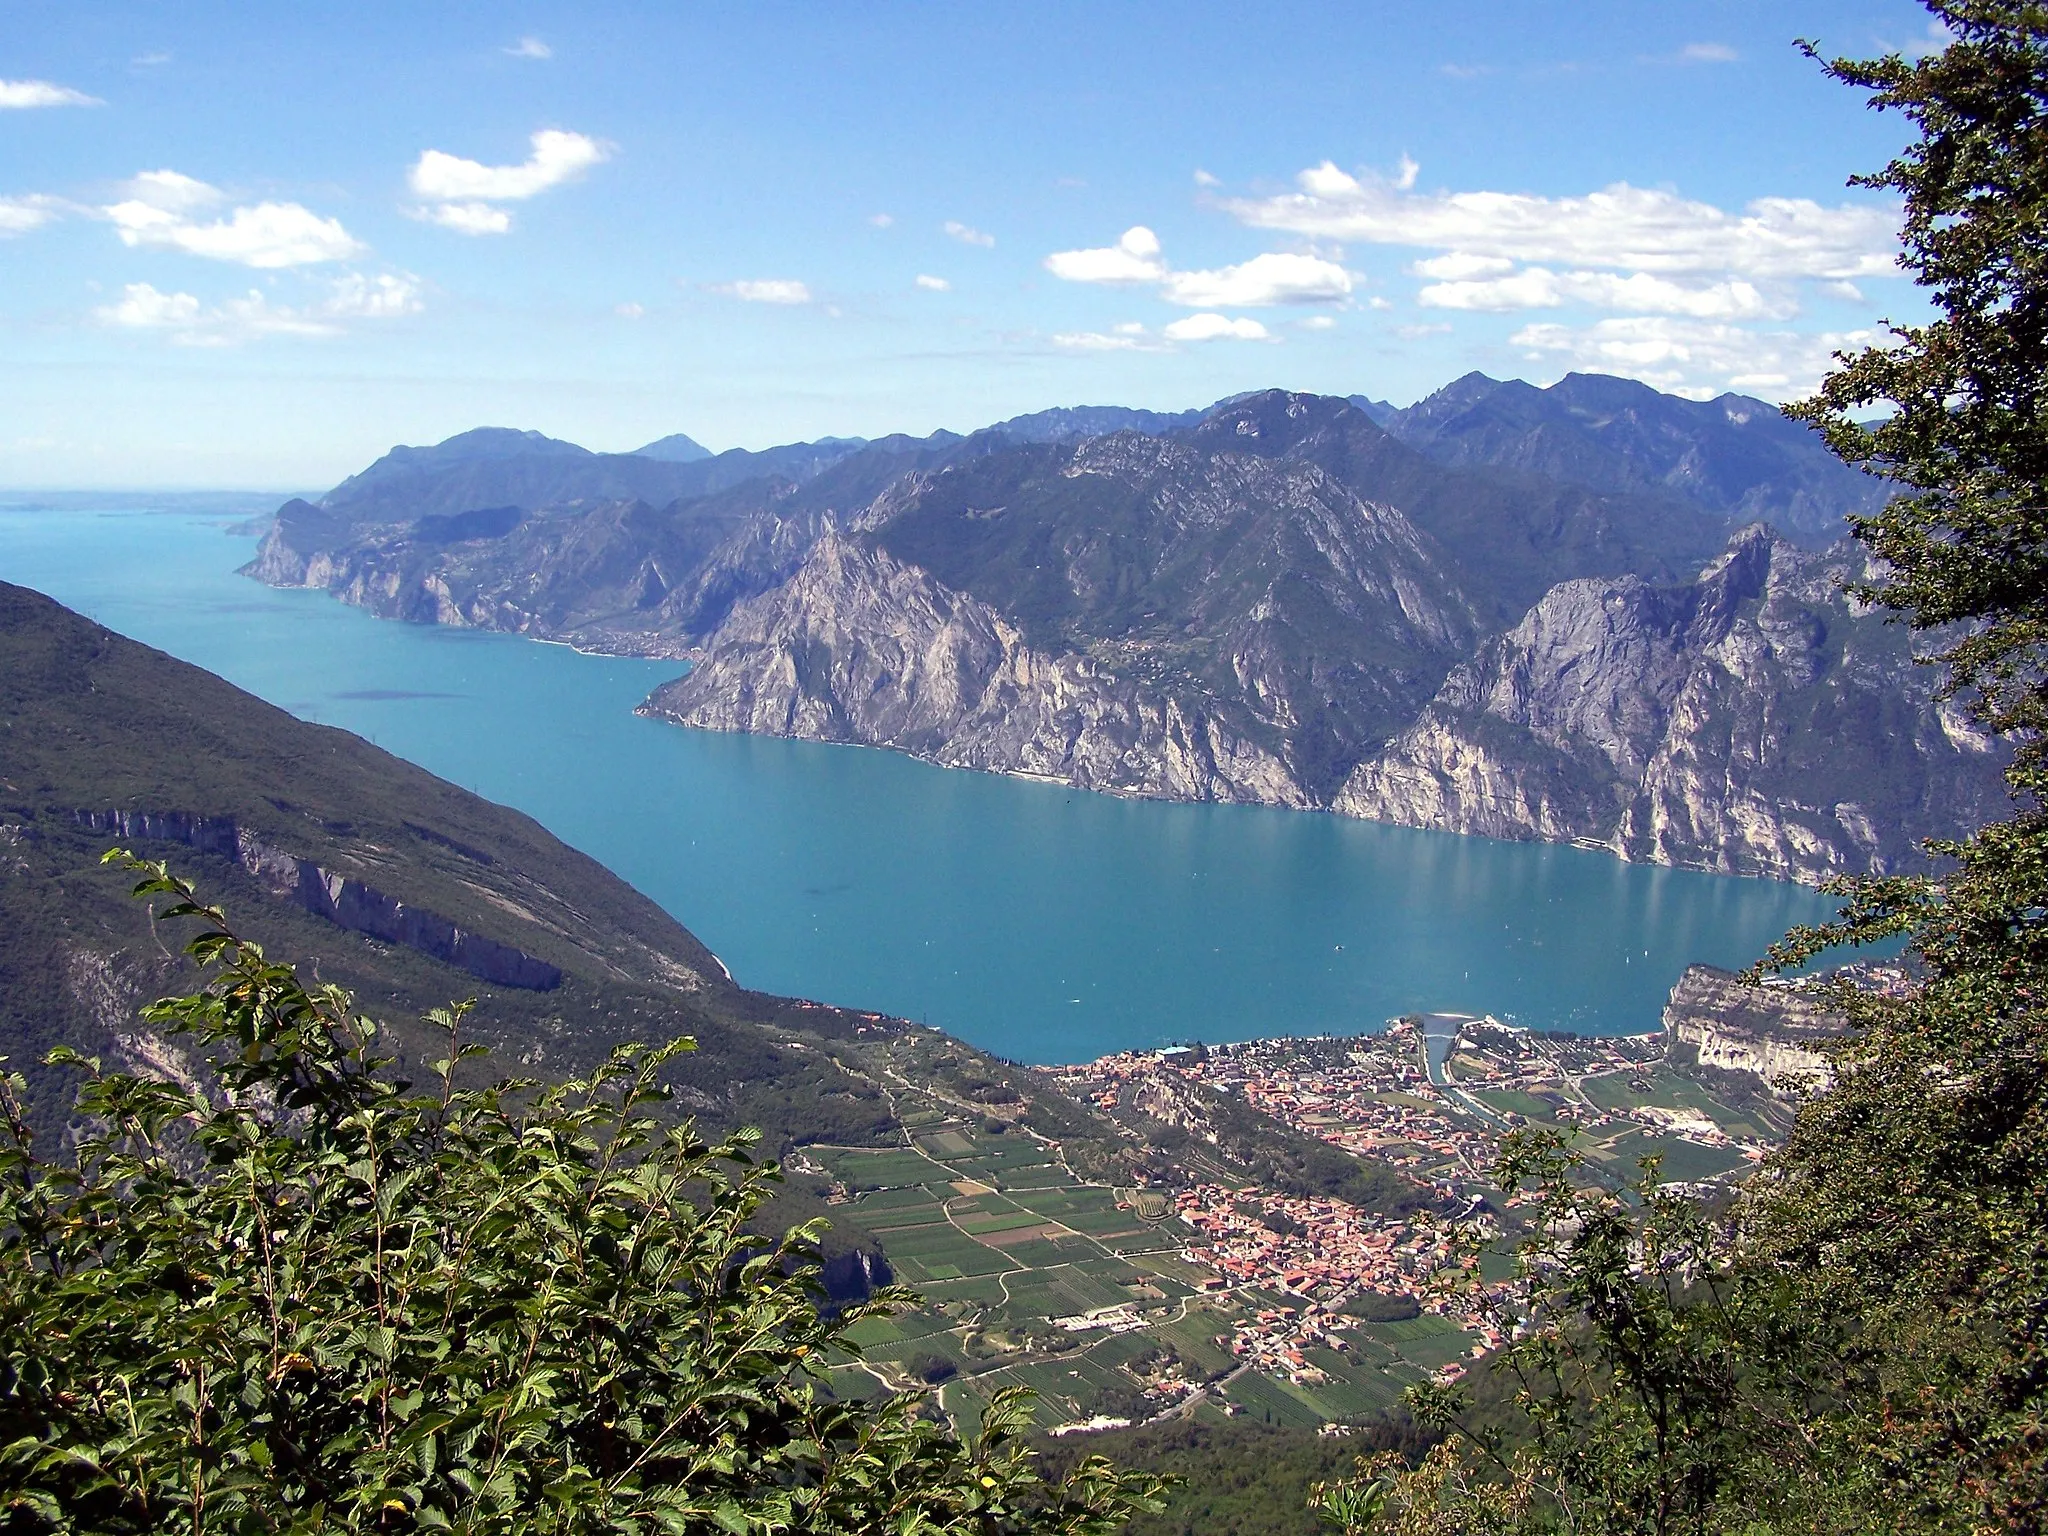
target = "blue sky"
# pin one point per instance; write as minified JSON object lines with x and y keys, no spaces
{"x":256,"y":246}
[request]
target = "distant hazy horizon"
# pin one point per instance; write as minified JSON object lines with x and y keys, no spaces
{"x":252,"y":248}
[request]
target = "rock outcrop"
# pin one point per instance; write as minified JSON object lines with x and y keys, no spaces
{"x":859,"y":647}
{"x":1751,"y":722}
{"x":341,"y":899}
{"x":1770,"y":1032}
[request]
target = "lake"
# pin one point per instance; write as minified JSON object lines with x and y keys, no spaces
{"x":1038,"y":922}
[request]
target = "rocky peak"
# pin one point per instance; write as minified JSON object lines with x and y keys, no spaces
{"x":1750,"y":721}
{"x":1275,"y":422}
{"x":483,"y":443}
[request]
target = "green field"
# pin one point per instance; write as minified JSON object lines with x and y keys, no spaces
{"x":1428,"y":1342}
{"x":1527,"y":1105}
{"x":1031,"y":1242}
{"x":864,"y":1170}
{"x":1684,"y":1160}
{"x":1274,"y":1402}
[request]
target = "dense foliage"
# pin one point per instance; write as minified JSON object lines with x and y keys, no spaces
{"x":300,"y":1295}
{"x":1858,"y":1344}
{"x":1236,"y":1478}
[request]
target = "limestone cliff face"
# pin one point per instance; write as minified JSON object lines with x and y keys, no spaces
{"x":1278,"y":604}
{"x":1750,"y":722}
{"x":859,"y":647}
{"x":1771,"y":1032}
{"x":618,"y":575}
{"x":624,"y":578}
{"x":1127,"y":614}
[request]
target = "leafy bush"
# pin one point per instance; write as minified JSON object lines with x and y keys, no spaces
{"x":302,"y":1296}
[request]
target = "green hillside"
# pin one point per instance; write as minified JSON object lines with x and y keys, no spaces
{"x":97,"y":731}
{"x":411,"y":892}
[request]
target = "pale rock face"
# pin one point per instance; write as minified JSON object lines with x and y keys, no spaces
{"x":1196,"y":618}
{"x":1771,"y":1033}
{"x":858,"y":647}
{"x":1754,"y":722}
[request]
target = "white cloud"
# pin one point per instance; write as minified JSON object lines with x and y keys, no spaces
{"x":1273,"y":278}
{"x":1533,"y":288}
{"x":1708,"y":53}
{"x":1204,"y":179}
{"x":144,"y":308}
{"x":1621,"y":226}
{"x":171,"y":191}
{"x":24,"y":95}
{"x":183,"y":319}
{"x":1277,"y":277}
{"x":766,"y":290}
{"x":967,"y":234}
{"x":1124,"y":338}
{"x":1847,"y":291}
{"x":1133,"y":259}
{"x":1213,"y":327}
{"x":629,"y":310}
{"x":530,"y":48}
{"x":468,"y":218}
{"x":557,"y":157}
{"x":158,"y":212}
{"x":1457,"y":266}
{"x":19,"y":215}
{"x":933,"y":284}
{"x":383,"y":297}
{"x":881,"y":220}
{"x":463,"y":190}
{"x":150,"y":60}
{"x":1636,"y":293}
{"x":1694,"y":357}
{"x":1318,"y":323}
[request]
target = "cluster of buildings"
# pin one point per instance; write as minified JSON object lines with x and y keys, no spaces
{"x":1371,"y":1095}
{"x":1404,"y":1097}
{"x":1322,"y":1253}
{"x":1321,"y":1249}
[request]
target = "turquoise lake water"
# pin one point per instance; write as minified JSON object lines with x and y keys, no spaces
{"x":1035,"y":921}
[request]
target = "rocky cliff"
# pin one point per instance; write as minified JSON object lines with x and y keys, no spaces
{"x":1528,"y":621}
{"x":343,"y":900}
{"x":1752,"y":721}
{"x":1773,"y":1033}
{"x":859,"y":647}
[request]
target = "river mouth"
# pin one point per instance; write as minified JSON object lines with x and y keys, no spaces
{"x":1036,"y":921}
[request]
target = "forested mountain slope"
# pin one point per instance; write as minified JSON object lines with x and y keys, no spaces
{"x":1276,"y":601}
{"x":407,"y":889}
{"x":1733,"y":455}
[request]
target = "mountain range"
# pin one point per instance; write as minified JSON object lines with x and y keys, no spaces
{"x":1589,"y":613}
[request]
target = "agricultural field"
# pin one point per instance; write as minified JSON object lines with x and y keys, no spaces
{"x":1045,"y":1255}
{"x":1029,"y":1274}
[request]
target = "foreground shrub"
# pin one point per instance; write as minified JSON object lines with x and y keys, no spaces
{"x":301,"y":1296}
